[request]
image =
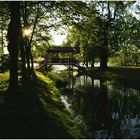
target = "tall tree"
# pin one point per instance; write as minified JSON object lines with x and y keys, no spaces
{"x":4,"y":17}
{"x":112,"y":13}
{"x":33,"y":14}
{"x":13,"y":44}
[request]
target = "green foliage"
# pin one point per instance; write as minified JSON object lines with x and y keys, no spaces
{"x":4,"y":79}
{"x":4,"y":20}
{"x":86,"y":22}
{"x":4,"y":62}
{"x":104,"y":24}
{"x":39,"y":103}
{"x":126,"y":56}
{"x":54,"y":107}
{"x":60,"y":79}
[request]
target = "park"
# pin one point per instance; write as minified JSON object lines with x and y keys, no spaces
{"x":70,"y":69}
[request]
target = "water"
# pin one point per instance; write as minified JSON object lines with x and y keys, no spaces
{"x":59,"y":68}
{"x":107,"y":109}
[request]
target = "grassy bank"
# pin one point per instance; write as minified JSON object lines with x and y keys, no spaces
{"x":116,"y":73}
{"x":127,"y":75}
{"x":35,"y":111}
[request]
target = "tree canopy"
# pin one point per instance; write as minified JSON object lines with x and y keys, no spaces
{"x":103,"y":31}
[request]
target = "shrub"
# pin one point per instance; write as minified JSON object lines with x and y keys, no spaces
{"x":4,"y":61}
{"x":60,"y":79}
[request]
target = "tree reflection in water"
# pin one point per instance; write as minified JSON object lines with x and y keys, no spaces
{"x":105,"y":105}
{"x":103,"y":113}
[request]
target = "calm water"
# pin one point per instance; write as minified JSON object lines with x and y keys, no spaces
{"x":105,"y":109}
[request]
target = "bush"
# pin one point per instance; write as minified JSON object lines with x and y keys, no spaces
{"x":60,"y":79}
{"x":4,"y":62}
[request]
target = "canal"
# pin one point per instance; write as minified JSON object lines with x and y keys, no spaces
{"x":105,"y":109}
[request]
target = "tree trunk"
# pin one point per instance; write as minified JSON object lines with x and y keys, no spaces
{"x":104,"y":57}
{"x":27,"y":57}
{"x":28,"y":53}
{"x":32,"y":61}
{"x":22,"y":54}
{"x":2,"y":29}
{"x":105,"y":49}
{"x":13,"y":37}
{"x":30,"y":41}
{"x":26,"y":40}
{"x":93,"y":61}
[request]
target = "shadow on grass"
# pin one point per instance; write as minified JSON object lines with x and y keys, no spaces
{"x":23,"y":115}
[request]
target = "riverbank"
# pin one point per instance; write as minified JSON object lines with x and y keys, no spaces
{"x":108,"y":108}
{"x":36,"y":111}
{"x":128,"y":75}
{"x":116,"y":72}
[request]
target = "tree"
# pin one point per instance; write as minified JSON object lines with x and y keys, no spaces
{"x":4,"y":16}
{"x":13,"y":44}
{"x":124,"y":43}
{"x":34,"y":14}
{"x":25,"y":51}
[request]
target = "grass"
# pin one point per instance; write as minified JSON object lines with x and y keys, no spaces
{"x":116,"y":72}
{"x":4,"y":79}
{"x":35,"y":111}
{"x":128,"y":75}
{"x":60,"y":79}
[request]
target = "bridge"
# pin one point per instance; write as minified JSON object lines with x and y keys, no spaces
{"x":67,"y":60}
{"x":61,"y":61}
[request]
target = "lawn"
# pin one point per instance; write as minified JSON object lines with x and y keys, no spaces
{"x":35,"y":111}
{"x":128,"y":75}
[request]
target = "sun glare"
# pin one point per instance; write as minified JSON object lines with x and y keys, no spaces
{"x":26,"y":32}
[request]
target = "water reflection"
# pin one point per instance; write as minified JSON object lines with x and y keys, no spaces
{"x":103,"y":113}
{"x":107,"y":108}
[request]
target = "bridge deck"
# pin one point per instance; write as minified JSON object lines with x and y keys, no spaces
{"x":61,"y":61}
{"x":58,"y":63}
{"x":59,"y":49}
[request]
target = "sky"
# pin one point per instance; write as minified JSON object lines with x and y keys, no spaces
{"x":58,"y":39}
{"x":59,"y":35}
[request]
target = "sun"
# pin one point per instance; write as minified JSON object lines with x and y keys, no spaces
{"x":26,"y":32}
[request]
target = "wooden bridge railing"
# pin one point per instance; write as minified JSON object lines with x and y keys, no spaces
{"x":61,"y":60}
